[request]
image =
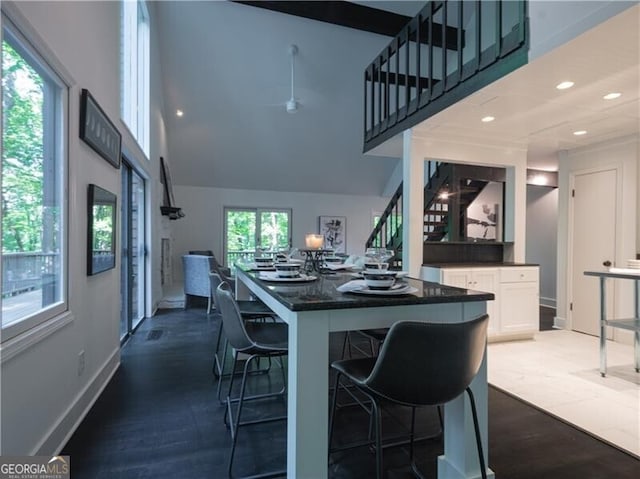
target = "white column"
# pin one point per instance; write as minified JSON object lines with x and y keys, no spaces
{"x":308,"y":405}
{"x":412,"y":206}
{"x":515,"y":208}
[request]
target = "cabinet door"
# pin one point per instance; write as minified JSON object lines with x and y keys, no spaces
{"x":487,"y":280}
{"x":460,"y":278}
{"x":480,"y":280}
{"x":519,"y":309}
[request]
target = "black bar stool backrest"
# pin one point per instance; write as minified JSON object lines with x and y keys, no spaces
{"x":232,"y":322}
{"x":428,"y":363}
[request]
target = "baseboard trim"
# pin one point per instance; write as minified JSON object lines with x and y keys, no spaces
{"x":56,"y":438}
{"x":548,"y":302}
{"x":559,"y":323}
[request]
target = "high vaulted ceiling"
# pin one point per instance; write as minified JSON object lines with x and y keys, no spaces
{"x":227,"y":66}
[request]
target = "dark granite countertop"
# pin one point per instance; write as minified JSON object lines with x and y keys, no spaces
{"x":478,"y":264}
{"x":322,"y":294}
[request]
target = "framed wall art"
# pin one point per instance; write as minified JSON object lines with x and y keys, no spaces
{"x":101,"y":234}
{"x":97,"y":131}
{"x":334,"y":230}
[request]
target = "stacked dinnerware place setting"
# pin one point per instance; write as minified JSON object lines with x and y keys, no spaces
{"x":377,"y":280}
{"x":260,"y":263}
{"x":286,"y":273}
{"x":333,"y":263}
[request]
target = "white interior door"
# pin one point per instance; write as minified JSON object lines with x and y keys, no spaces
{"x":594,"y":239}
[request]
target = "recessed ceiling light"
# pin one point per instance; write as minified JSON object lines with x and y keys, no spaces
{"x":487,"y":119}
{"x":580,"y":132}
{"x":179,"y":113}
{"x":612,"y":96}
{"x":564,"y":85}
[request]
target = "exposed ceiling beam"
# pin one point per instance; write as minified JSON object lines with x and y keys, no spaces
{"x":346,"y":14}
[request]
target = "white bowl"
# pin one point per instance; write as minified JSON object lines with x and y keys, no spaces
{"x":288,"y":270}
{"x":379,"y":279}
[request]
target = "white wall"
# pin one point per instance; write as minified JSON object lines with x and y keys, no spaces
{"x":43,"y":397}
{"x":542,"y":232}
{"x":624,"y":154}
{"x":553,"y":23}
{"x":201,"y":228}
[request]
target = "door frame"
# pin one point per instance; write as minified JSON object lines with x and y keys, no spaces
{"x":617,"y":247}
{"x":129,"y":169}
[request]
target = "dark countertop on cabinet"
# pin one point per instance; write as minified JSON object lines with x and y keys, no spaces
{"x":321,"y":294}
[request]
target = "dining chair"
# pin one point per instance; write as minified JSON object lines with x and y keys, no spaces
{"x":253,"y":340}
{"x":196,"y":269}
{"x":249,"y":310}
{"x":419,"y":364}
{"x":375,"y":338}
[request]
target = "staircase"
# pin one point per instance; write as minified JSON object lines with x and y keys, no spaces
{"x":450,"y":190}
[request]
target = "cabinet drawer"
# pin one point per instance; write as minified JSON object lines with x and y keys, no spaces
{"x":516,"y":275}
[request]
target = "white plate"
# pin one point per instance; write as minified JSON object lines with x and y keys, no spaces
{"x":394,"y":291}
{"x":272,"y":276}
{"x":261,"y":267}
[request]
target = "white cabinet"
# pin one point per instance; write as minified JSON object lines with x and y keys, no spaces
{"x":514,"y":314}
{"x":480,"y":279}
{"x":519,"y":300}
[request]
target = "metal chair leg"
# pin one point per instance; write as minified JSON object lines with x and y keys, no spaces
{"x":378,"y":433}
{"x":334,"y":402}
{"x":236,"y":423}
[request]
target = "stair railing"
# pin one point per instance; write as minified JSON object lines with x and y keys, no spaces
{"x":448,"y":51}
{"x":390,"y":222}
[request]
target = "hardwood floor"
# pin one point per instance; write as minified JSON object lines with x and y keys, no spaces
{"x":158,"y":418}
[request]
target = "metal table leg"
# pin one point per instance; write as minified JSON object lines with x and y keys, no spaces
{"x":636,"y":334}
{"x":603,"y":327}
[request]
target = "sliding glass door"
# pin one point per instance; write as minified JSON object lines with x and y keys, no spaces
{"x":247,"y":230}
{"x":133,"y":251}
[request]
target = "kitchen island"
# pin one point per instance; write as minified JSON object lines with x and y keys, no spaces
{"x":315,"y":309}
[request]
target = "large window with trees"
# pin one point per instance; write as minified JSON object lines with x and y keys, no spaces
{"x":33,"y":172}
{"x":135,"y":70}
{"x":247,"y":230}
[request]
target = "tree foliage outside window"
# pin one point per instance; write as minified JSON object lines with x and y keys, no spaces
{"x":103,"y":228}
{"x":274,"y":230}
{"x":241,"y":231}
{"x":22,"y":154}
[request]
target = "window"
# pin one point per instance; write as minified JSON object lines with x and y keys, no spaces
{"x":135,"y":71}
{"x":33,"y":172}
{"x":248,"y":229}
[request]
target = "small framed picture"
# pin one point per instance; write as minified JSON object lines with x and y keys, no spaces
{"x":97,"y":131}
{"x":334,"y":230}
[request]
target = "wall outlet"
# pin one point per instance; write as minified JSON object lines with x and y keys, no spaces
{"x":81,"y":363}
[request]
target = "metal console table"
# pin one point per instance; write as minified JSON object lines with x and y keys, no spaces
{"x":632,"y":324}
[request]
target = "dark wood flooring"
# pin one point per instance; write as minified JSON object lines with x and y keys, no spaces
{"x":158,"y":418}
